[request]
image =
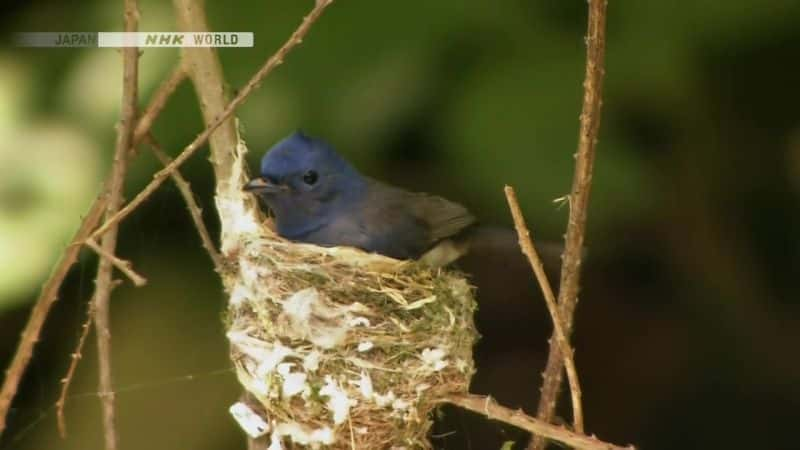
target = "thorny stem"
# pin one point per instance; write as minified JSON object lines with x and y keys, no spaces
{"x":526,"y":244}
{"x":143,"y":125}
{"x":579,"y":202}
{"x":275,"y":60}
{"x":73,"y":365}
{"x":491,"y":409}
{"x":104,"y":282}
{"x":191,"y":204}
{"x":47,"y":297}
{"x":121,"y":264}
{"x":49,"y":291}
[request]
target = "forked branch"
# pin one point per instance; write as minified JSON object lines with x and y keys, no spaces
{"x":526,"y":244}
{"x":274,"y":61}
{"x":579,"y":203}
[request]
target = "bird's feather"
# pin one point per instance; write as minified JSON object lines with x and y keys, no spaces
{"x":339,"y":206}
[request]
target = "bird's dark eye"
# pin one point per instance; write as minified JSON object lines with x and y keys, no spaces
{"x":310,"y":177}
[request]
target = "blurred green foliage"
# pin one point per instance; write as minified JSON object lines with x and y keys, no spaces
{"x":689,"y":312}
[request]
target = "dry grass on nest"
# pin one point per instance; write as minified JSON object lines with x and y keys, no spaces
{"x":342,"y":348}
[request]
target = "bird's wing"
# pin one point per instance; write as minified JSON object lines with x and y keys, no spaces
{"x":442,"y":218}
{"x":437,"y":216}
{"x":403,"y":224}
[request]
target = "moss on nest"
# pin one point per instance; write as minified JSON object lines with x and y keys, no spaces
{"x":340,"y":348}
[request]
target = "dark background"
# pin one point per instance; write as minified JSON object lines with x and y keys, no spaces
{"x":687,"y":329}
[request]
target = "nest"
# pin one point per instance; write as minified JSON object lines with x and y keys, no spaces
{"x":335,"y":347}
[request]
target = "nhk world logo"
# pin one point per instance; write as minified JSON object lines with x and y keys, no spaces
{"x":140,"y":39}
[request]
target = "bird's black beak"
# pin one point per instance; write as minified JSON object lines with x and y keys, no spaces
{"x":260,"y":185}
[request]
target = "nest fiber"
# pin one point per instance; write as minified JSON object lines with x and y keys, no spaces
{"x":338,"y":348}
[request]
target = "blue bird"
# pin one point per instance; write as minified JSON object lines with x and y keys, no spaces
{"x":317,"y":197}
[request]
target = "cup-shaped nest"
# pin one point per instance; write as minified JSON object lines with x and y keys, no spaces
{"x":336,"y":347}
{"x":339,"y":347}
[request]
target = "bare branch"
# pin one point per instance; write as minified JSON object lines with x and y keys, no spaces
{"x":526,"y":244}
{"x":48,"y":296}
{"x":191,"y":204}
{"x":49,"y":292}
{"x":489,"y":408}
{"x":73,"y":365}
{"x":579,"y":202}
{"x":275,"y":60}
{"x":103,"y":282}
{"x":124,"y":266}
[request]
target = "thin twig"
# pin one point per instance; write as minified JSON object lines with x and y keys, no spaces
{"x":578,"y":202}
{"x":489,"y":408}
{"x":275,"y":60}
{"x":49,"y":291}
{"x":73,"y":365}
{"x":48,"y":296}
{"x":103,"y":282}
{"x":124,"y":266}
{"x":191,"y":204}
{"x":526,"y":244}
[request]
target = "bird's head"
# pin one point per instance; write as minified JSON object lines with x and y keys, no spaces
{"x":301,"y":180}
